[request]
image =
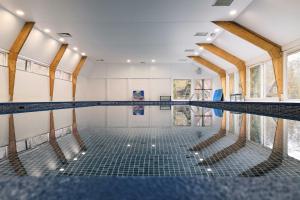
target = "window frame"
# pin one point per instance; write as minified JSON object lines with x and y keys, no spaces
{"x":285,"y":74}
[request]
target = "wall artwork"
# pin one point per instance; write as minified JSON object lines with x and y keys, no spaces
{"x":138,"y":110}
{"x":182,"y":89}
{"x":138,"y":95}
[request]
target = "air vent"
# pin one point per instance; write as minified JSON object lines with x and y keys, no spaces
{"x":201,"y":34}
{"x":189,"y":50}
{"x":223,"y":3}
{"x":100,"y":60}
{"x":64,"y":35}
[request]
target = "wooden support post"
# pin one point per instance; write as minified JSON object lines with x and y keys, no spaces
{"x":14,"y":53}
{"x":53,"y":67}
{"x":274,"y":50}
{"x":221,"y":72}
{"x":75,"y":75}
{"x":240,"y":64}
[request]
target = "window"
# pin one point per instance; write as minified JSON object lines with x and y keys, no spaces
{"x":293,"y":76}
{"x":270,"y":82}
{"x":231,"y":83}
{"x":181,"y":89}
{"x":21,"y":64}
{"x":39,"y":69}
{"x":203,"y":89}
{"x":255,"y":81}
{"x":3,"y":59}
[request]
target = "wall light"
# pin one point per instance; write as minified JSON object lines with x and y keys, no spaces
{"x":83,"y":54}
{"x":46,"y":30}
{"x":20,"y":12}
{"x":75,"y":48}
{"x":201,"y":48}
{"x":233,"y":12}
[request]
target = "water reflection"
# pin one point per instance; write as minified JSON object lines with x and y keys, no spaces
{"x":183,"y":141}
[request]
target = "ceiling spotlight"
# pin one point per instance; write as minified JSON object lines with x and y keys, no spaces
{"x":196,"y":53}
{"x":128,"y":61}
{"x":83,"y":54}
{"x":20,"y":12}
{"x":61,"y":39}
{"x":75,"y":48}
{"x":153,"y":60}
{"x":208,"y":39}
{"x":217,"y":30}
{"x":46,"y":30}
{"x":233,"y":12}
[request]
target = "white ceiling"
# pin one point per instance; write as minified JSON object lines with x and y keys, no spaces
{"x":116,"y":30}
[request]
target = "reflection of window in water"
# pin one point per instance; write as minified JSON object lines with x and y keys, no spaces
{"x":182,"y":116}
{"x":269,"y":133}
{"x":294,"y":139}
{"x":203,"y":117}
{"x":231,"y":123}
{"x":255,"y":128}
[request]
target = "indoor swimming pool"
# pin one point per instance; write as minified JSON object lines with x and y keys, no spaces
{"x":162,"y":140}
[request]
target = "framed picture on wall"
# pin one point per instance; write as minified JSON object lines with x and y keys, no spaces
{"x":138,"y":95}
{"x":182,"y":89}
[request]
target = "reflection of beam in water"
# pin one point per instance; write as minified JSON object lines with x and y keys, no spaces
{"x":76,"y":134}
{"x":214,"y":138}
{"x":60,"y":155}
{"x":13,"y":157}
{"x":274,"y":160}
{"x":240,"y":143}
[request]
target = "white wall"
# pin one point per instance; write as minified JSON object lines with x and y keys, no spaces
{"x":118,"y":81}
{"x":41,"y":48}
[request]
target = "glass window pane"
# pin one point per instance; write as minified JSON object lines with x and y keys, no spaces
{"x":2,"y":59}
{"x":207,"y":84}
{"x":57,"y":74}
{"x":21,"y":64}
{"x":39,"y":69}
{"x":293,"y":76}
{"x":255,"y":82}
{"x":231,"y":83}
{"x":270,"y":82}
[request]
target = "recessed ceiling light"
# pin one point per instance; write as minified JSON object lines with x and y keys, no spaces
{"x":208,"y":39}
{"x":61,"y":39}
{"x":196,"y":53}
{"x":153,"y":60}
{"x":217,"y":30}
{"x":233,"y":12}
{"x":20,"y":12}
{"x":201,"y":48}
{"x":47,"y":30}
{"x":75,"y":48}
{"x":83,"y":54}
{"x":128,"y":61}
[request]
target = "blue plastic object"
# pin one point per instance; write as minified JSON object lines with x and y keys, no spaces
{"x":218,"y":95}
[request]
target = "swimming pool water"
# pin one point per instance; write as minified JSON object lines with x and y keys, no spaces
{"x":147,"y":141}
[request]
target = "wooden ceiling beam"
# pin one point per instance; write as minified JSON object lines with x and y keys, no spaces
{"x":75,"y":75}
{"x":221,"y":72}
{"x":273,"y":49}
{"x":53,"y":67}
{"x":14,"y":53}
{"x":239,"y":63}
